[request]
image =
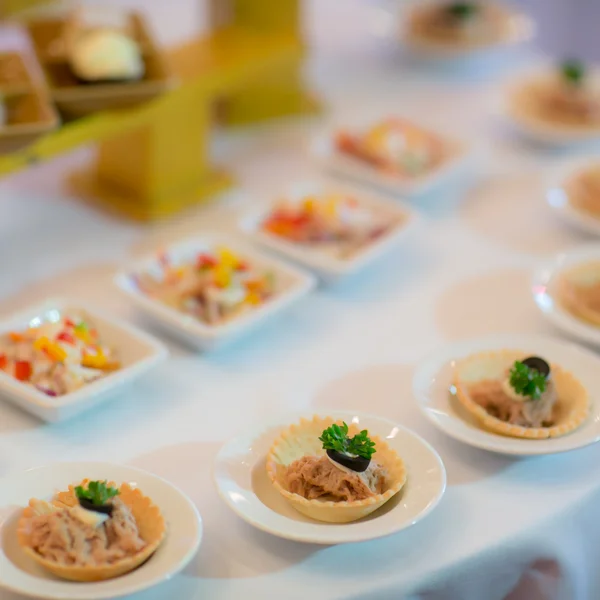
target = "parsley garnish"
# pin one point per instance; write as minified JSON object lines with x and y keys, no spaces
{"x":573,"y":71}
{"x":336,"y":438}
{"x":527,"y":381}
{"x":462,"y":10}
{"x":97,"y":493}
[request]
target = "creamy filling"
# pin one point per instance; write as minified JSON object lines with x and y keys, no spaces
{"x":493,"y":397}
{"x":69,"y":536}
{"x":318,"y":477}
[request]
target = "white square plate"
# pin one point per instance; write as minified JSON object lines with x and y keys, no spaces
{"x":293,"y":285}
{"x":137,"y":351}
{"x":327,"y":267}
{"x":455,"y":166}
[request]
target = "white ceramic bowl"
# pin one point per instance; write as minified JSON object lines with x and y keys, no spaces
{"x":243,"y":483}
{"x":22,"y":575}
{"x":325,"y":265}
{"x":544,"y":288}
{"x":323,"y":150}
{"x":294,"y":284}
{"x":137,"y":351}
{"x":558,"y":198}
{"x":432,"y":389}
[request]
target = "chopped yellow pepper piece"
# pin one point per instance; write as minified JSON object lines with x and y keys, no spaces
{"x":94,"y":361}
{"x":228,"y":258}
{"x":222,"y":275}
{"x":253,"y":298}
{"x":52,"y":350}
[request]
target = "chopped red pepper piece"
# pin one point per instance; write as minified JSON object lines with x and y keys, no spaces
{"x":3,"y":361}
{"x":205,"y":260}
{"x":22,"y":370}
{"x":242,"y":266}
{"x":69,"y":323}
{"x":65,"y":336}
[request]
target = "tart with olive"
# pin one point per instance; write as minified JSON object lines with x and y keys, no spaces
{"x":460,"y":25}
{"x":567,"y":99}
{"x":331,"y":471}
{"x":92,"y":532}
{"x":522,"y":396}
{"x":579,"y":292}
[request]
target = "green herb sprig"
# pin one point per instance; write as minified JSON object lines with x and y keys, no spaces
{"x":336,"y":438}
{"x":97,"y":492}
{"x":462,"y":10}
{"x":573,"y":71}
{"x":527,"y":381}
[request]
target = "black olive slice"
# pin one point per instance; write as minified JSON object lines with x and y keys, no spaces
{"x":105,"y":509}
{"x":539,"y":364}
{"x":355,"y":463}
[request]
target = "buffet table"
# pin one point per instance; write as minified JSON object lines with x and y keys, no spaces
{"x":354,"y":346}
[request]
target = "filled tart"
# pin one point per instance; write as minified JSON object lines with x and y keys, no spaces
{"x":92,"y":532}
{"x":567,"y":98}
{"x":579,"y":292}
{"x":326,"y":470}
{"x":520,"y":396}
{"x":583,"y":190}
{"x":461,"y":25}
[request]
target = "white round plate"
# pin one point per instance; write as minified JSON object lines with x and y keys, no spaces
{"x":242,"y":481}
{"x":432,"y":389}
{"x":544,"y":289}
{"x":22,"y":575}
{"x":558,"y":198}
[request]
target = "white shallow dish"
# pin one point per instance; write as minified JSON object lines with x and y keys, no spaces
{"x":242,"y":481}
{"x":544,"y":288}
{"x":20,"y":574}
{"x":325,"y":153}
{"x":295,"y":284}
{"x":137,"y":351}
{"x":432,"y":389}
{"x":324,"y":264}
{"x":558,"y":198}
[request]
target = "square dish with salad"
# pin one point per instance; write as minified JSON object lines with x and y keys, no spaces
{"x":209,"y":290}
{"x":61,"y":358}
{"x":394,"y":153}
{"x":331,"y":229}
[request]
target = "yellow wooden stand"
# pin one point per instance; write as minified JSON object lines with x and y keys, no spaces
{"x":153,"y":160}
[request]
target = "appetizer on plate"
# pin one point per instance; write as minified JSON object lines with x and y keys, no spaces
{"x":215,"y":288}
{"x":396,"y":147}
{"x":460,"y":25}
{"x":326,"y":470}
{"x":92,"y":532}
{"x":582,"y":189}
{"x":102,"y":47}
{"x":337,"y":224}
{"x":566,"y":100}
{"x":579,"y":292}
{"x":57,"y":358}
{"x":520,"y":396}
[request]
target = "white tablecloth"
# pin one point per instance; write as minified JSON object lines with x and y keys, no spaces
{"x":354,"y":346}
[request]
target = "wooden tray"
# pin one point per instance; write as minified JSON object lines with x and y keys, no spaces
{"x":29,"y":111}
{"x":75,"y":99}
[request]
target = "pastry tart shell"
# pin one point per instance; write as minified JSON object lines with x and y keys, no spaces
{"x":584,"y":275}
{"x":151,"y":526}
{"x":524,"y":106}
{"x":571,"y":408}
{"x":302,"y":439}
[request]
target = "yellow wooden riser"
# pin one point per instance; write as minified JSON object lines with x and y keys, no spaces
{"x":153,"y":160}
